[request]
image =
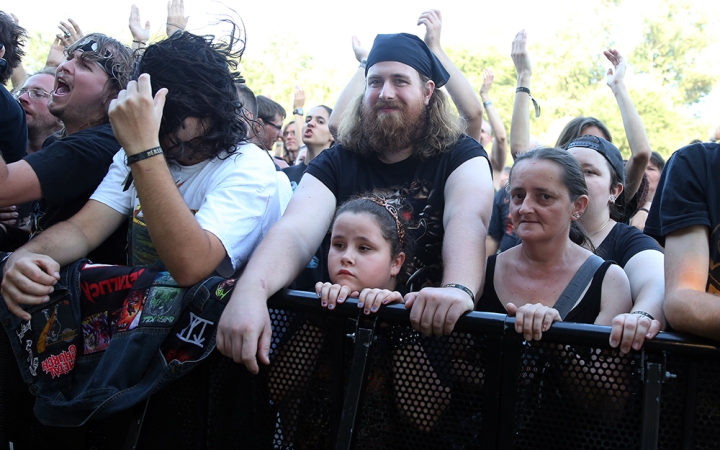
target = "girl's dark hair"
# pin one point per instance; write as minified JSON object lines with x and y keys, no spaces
{"x":574,"y":129}
{"x":387,"y":215}
{"x":13,"y":37}
{"x":200,"y":77}
{"x":572,"y":177}
{"x":657,"y":160}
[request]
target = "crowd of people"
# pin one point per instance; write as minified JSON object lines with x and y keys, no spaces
{"x":161,"y":154}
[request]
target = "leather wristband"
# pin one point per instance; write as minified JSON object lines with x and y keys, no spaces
{"x":144,"y":155}
{"x":462,"y":288}
{"x":535,"y":103}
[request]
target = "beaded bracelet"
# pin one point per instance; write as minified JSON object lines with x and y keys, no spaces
{"x":462,"y":288}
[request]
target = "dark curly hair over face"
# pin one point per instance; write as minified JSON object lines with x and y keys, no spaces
{"x":13,"y":38}
{"x":200,"y":78}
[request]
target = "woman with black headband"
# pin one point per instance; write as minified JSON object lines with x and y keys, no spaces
{"x":638,"y":254}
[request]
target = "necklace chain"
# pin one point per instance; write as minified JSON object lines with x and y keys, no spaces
{"x":601,"y":228}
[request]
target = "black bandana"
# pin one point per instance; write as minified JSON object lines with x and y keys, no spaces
{"x":407,"y":49}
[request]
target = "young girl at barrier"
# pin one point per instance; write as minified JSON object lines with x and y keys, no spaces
{"x":367,"y":252}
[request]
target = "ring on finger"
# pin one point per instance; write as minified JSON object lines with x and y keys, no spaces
{"x":67,"y":35}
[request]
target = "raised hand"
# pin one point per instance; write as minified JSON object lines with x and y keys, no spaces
{"x":135,"y":115}
{"x":520,"y":55}
{"x":360,"y":51}
{"x":140,"y":35}
{"x":488,"y":78}
{"x":298,"y":97}
{"x":432,"y":19}
{"x":176,"y":18}
{"x":616,"y":76}
{"x":70,"y":33}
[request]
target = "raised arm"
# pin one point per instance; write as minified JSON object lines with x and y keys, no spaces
{"x":688,"y":307}
{"x":298,"y":103}
{"x":176,"y":18}
{"x":70,"y":33}
{"x":634,"y":129}
{"x":459,"y":88}
{"x":244,"y":330}
{"x":498,"y":157}
{"x":189,"y":252}
{"x":354,"y":87}
{"x":520,"y":125}
{"x":140,"y":35}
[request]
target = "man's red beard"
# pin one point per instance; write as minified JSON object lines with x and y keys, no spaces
{"x":394,"y":131}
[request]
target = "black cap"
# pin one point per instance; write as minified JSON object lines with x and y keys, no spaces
{"x":605,"y":148}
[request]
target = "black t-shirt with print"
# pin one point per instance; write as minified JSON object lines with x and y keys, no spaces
{"x":417,"y":184}
{"x":688,"y":194}
{"x":69,"y":170}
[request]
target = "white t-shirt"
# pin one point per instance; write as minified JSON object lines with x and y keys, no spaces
{"x":235,"y":198}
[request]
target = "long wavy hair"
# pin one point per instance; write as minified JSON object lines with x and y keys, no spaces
{"x":200,"y":75}
{"x":441,"y":130}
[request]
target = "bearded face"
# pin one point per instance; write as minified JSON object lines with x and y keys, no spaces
{"x":391,"y":126}
{"x":394,"y":108}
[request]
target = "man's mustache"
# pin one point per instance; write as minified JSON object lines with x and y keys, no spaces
{"x":381,"y":104}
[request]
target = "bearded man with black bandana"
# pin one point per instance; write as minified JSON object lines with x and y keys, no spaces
{"x":399,"y":139}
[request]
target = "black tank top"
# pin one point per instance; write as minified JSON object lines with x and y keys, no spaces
{"x":584,"y":312}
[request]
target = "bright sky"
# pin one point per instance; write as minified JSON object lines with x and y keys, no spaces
{"x":323,"y":28}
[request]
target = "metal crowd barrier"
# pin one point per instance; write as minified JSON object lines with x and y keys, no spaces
{"x":339,"y":380}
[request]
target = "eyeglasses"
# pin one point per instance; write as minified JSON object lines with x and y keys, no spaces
{"x":277,"y":127}
{"x":289,"y":133}
{"x":32,"y":93}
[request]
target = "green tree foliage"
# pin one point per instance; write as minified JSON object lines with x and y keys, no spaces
{"x":674,"y":40}
{"x":276,"y":71}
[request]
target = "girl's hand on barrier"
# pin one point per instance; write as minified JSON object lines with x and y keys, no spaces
{"x":371,"y":299}
{"x":531,"y":320}
{"x":333,"y":294}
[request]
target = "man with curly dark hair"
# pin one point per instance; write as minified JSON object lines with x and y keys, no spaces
{"x":198,"y":195}
{"x":96,"y":69}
